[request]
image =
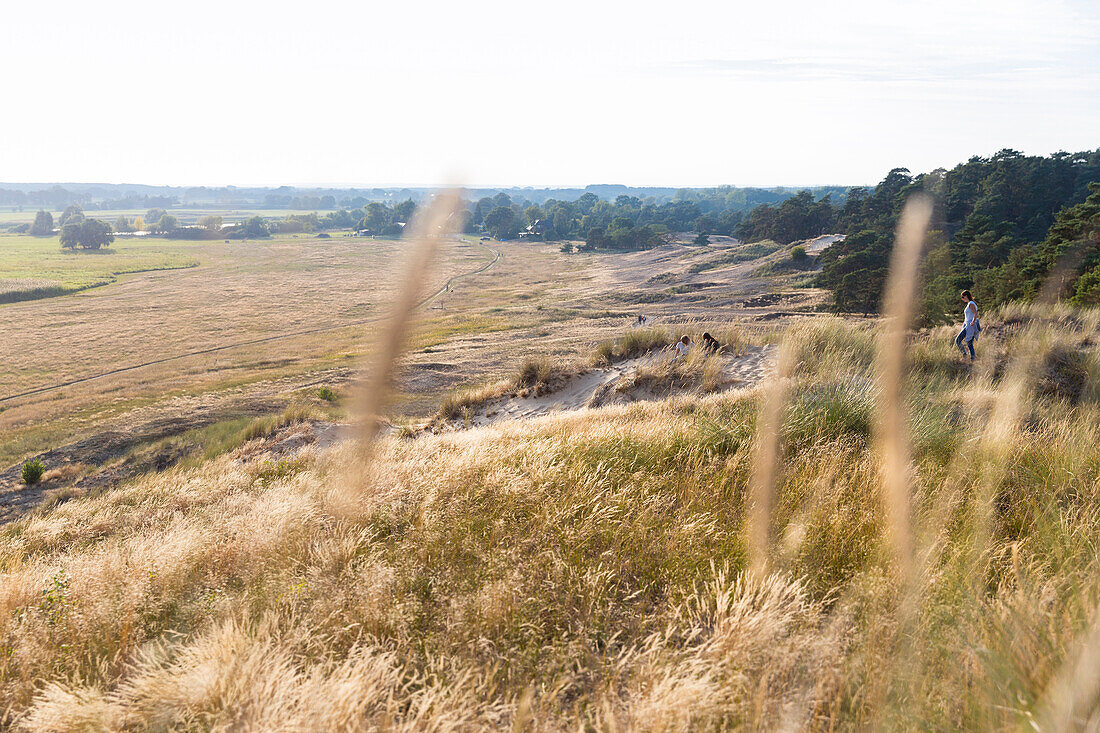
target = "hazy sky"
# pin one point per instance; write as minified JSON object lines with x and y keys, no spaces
{"x":538,"y":93}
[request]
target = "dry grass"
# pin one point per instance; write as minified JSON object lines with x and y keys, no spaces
{"x":240,"y":292}
{"x":702,"y":562}
{"x":534,"y":376}
{"x":632,"y":344}
{"x":698,"y":371}
{"x":578,"y":570}
{"x":534,"y":301}
{"x":13,"y":289}
{"x":641,"y":341}
{"x":458,"y":403}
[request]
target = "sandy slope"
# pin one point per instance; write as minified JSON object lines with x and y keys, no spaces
{"x":616,"y":384}
{"x":822,"y":243}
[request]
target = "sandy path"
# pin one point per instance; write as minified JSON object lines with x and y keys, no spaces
{"x":616,"y":384}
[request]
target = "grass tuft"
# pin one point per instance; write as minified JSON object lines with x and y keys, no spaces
{"x":632,"y":344}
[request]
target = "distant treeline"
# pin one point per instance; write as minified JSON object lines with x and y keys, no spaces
{"x":58,"y":198}
{"x":102,"y":197}
{"x":630,"y":222}
{"x":1000,"y":226}
{"x":627,"y":223}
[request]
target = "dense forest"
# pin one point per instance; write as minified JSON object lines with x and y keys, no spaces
{"x":1001,"y":225}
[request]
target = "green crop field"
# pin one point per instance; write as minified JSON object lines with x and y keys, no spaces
{"x":37,"y":267}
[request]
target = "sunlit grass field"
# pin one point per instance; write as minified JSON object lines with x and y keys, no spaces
{"x":34,"y":267}
{"x":592,"y":570}
{"x":236,"y":292}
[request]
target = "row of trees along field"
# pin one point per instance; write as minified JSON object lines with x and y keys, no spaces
{"x":77,"y":231}
{"x":629,"y":222}
{"x":1001,"y":226}
{"x":374,"y":217}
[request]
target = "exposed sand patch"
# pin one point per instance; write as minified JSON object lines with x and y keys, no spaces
{"x":822,"y":243}
{"x":632,"y":380}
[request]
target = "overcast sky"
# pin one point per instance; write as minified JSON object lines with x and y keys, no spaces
{"x":683,"y":93}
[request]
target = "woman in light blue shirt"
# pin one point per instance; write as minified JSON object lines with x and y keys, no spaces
{"x":971,"y":325}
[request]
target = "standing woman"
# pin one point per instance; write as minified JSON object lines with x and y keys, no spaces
{"x":971,"y":325}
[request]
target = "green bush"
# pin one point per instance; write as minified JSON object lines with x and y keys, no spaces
{"x":327,"y":394}
{"x":32,"y":471}
{"x":1086,"y":291}
{"x":798,"y":254}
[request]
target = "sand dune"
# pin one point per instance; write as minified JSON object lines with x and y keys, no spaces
{"x":632,"y":380}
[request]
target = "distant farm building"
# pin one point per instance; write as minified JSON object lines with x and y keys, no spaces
{"x":535,"y":229}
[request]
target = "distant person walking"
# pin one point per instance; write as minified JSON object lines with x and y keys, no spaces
{"x":971,"y":325}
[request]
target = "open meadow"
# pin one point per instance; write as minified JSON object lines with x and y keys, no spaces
{"x":304,"y":293}
{"x":600,"y":568}
{"x":276,"y":319}
{"x":37,"y":267}
{"x":560,"y":528}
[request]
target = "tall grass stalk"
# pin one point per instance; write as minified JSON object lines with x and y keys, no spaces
{"x":766,"y":457}
{"x":1076,"y":686}
{"x":428,"y":229}
{"x":901,"y":289}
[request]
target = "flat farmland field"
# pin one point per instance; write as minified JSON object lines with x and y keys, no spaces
{"x":35,"y":267}
{"x":255,"y":326}
{"x":267,"y":308}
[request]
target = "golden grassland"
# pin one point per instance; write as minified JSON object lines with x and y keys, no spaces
{"x":533,"y":302}
{"x":246,"y":290}
{"x":241,"y":292}
{"x":591,"y":569}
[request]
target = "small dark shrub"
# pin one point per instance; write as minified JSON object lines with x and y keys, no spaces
{"x":798,"y":254}
{"x":32,"y":471}
{"x":327,"y":394}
